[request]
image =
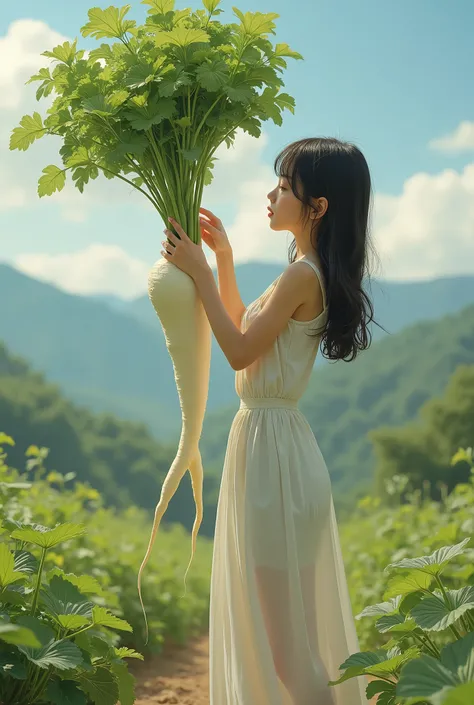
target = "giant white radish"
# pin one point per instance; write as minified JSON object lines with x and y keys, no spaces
{"x":151,"y":109}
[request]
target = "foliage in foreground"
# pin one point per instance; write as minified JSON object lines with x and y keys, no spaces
{"x":428,"y":620}
{"x":111,"y":550}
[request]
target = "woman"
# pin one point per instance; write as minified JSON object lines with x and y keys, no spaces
{"x":280,"y":617}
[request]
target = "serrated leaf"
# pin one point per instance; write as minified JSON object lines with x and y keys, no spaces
{"x":143,"y":118}
{"x":25,"y":562}
{"x":102,"y":617}
{"x":63,"y":598}
{"x":65,"y":693}
{"x":424,"y":677}
{"x":31,"y":128}
{"x":131,"y":144}
{"x":159,"y":7}
{"x":48,"y":538}
{"x":124,"y":652}
{"x":254,"y":24}
{"x":17,"y":635}
{"x":65,"y":53}
{"x":53,"y":179}
{"x":182,"y":36}
{"x":108,"y":23}
{"x":285,"y":50}
{"x":100,"y":686}
{"x":435,"y":562}
{"x":8,"y":574}
{"x":432,"y":614}
{"x":405,"y":584}
{"x":43,"y":633}
{"x":72,"y":621}
{"x":139,"y":75}
{"x":212,"y":75}
{"x":242,"y":93}
{"x":99,"y":104}
{"x":285,"y":102}
{"x":58,"y":654}
{"x":126,"y":683}
{"x":86,"y":584}
{"x":211,"y":5}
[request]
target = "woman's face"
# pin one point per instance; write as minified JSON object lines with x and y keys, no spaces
{"x":286,"y":208}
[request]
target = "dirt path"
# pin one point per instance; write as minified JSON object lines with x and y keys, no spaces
{"x":179,"y":676}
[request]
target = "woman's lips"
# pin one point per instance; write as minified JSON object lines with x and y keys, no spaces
{"x":270,"y":212}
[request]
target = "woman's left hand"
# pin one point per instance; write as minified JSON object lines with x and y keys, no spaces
{"x":184,"y":253}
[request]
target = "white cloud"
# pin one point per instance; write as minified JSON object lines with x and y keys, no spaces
{"x":427,"y":231}
{"x":461,"y":140}
{"x":105,"y":269}
{"x":242,"y":179}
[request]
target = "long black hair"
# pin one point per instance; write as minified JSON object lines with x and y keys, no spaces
{"x":317,"y":167}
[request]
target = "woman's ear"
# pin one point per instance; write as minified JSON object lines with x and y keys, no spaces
{"x":319,"y":208}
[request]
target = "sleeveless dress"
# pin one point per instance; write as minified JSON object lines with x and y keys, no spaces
{"x":280,"y":618}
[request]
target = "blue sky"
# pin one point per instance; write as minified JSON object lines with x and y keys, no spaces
{"x":388,"y":76}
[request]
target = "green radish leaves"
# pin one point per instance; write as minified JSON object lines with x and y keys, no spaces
{"x":152,"y":104}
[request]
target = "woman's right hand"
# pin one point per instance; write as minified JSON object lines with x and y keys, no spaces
{"x":213,"y":232}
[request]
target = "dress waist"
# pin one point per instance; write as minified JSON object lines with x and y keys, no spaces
{"x":268,"y":403}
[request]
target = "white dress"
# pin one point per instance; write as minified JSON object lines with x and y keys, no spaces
{"x":281,"y":621}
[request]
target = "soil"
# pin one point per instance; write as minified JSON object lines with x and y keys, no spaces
{"x":178,"y":676}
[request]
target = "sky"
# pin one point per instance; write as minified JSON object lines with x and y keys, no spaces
{"x":393,"y":78}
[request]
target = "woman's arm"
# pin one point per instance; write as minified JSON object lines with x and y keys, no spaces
{"x":241,"y":349}
{"x":228,"y":289}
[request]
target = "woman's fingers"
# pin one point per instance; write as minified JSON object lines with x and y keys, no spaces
{"x":210,"y":215}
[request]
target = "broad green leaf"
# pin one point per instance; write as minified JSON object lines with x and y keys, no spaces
{"x":211,"y":5}
{"x":143,"y":118}
{"x":435,"y":562}
{"x":397,"y":623}
{"x":182,"y":36}
{"x":357,"y":664}
{"x":405,"y":584}
{"x":11,"y":664}
{"x":82,"y":174}
{"x":48,"y":538}
{"x":424,"y":677}
{"x":139,"y":75}
{"x":100,"y":686}
{"x":43,"y":633}
{"x":126,"y":683}
{"x":460,"y":695}
{"x":31,"y":128}
{"x":107,"y":23}
{"x":65,"y":693}
{"x":432,"y":614}
{"x":65,"y":53}
{"x":58,"y":654}
{"x":124,"y":652}
{"x":63,"y":598}
{"x":285,"y":50}
{"x":159,"y":7}
{"x":376,"y":687}
{"x":458,"y":657}
{"x":285,"y":101}
{"x":131,"y":144}
{"x":102,"y":617}
{"x":242,"y":93}
{"x":71,"y":622}
{"x":380,"y":608}
{"x":212,"y":75}
{"x":18,"y":635}
{"x":8,"y":574}
{"x":53,"y":179}
{"x":171,"y":84}
{"x":254,"y":24}
{"x":25,"y":562}
{"x":86,"y":584}
{"x":79,"y":158}
{"x":100,"y":105}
